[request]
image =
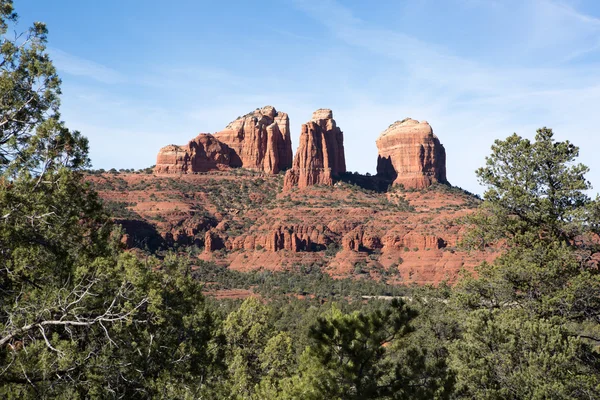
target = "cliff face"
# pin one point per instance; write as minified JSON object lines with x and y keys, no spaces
{"x":411,"y":155}
{"x":320,"y":155}
{"x":260,"y":140}
{"x":202,"y":154}
{"x":284,"y":144}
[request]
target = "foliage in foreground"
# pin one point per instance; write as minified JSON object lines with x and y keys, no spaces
{"x":532,"y":326}
{"x":80,"y":318}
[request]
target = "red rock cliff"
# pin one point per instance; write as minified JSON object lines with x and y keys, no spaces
{"x":202,"y":154}
{"x":411,"y":155}
{"x":320,"y":155}
{"x":260,"y":140}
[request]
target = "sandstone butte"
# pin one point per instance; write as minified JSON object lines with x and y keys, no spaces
{"x":320,"y":156}
{"x":246,"y":220}
{"x":259,"y":140}
{"x":411,"y":155}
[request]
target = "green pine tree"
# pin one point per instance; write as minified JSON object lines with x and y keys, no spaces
{"x":534,"y":318}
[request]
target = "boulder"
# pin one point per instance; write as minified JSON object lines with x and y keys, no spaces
{"x":320,"y":155}
{"x":411,"y":155}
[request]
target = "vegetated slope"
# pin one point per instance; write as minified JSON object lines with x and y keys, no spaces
{"x":242,"y":219}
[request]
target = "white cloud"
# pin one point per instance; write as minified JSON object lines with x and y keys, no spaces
{"x":74,"y":65}
{"x":556,"y":28}
{"x":468,"y":102}
{"x":370,"y":76}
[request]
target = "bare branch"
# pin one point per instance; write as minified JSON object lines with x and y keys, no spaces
{"x":107,"y":317}
{"x":48,"y":342}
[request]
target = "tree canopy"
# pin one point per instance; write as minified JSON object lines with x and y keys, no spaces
{"x":82,"y":318}
{"x":532,"y":315}
{"x":78,"y":317}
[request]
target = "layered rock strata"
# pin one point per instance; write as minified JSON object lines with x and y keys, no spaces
{"x":202,"y":154}
{"x":259,"y":140}
{"x":310,"y":238}
{"x":294,"y":238}
{"x":411,"y":155}
{"x":242,"y":221}
{"x":320,"y":155}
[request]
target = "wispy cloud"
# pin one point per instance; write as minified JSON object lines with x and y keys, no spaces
{"x":293,"y":35}
{"x":534,"y":68}
{"x":78,"y":66}
{"x":556,"y":27}
{"x":470,"y":102}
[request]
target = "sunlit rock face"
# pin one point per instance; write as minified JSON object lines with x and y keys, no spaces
{"x":411,"y":155}
{"x":202,"y":154}
{"x":259,"y":140}
{"x":320,"y":155}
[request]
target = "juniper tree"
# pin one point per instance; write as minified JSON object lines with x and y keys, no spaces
{"x":78,"y":317}
{"x":537,"y":303}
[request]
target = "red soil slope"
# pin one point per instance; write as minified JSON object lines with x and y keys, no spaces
{"x":244,"y":220}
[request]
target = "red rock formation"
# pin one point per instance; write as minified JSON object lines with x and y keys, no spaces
{"x":359,"y":240}
{"x":411,"y":155}
{"x":260,"y":140}
{"x":295,"y":238}
{"x":320,"y":156}
{"x":202,"y":154}
{"x":284,"y":145}
{"x":212,"y":241}
{"x":172,"y":159}
{"x":279,"y":231}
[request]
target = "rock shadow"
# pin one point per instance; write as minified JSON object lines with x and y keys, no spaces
{"x":142,"y":234}
{"x":376,"y":183}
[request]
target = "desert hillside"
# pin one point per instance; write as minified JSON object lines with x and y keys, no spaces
{"x":244,"y":220}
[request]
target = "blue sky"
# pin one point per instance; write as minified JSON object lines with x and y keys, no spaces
{"x":138,"y":75}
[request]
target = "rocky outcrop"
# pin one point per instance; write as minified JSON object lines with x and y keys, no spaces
{"x":202,"y":154}
{"x":344,"y":231}
{"x":320,"y":155}
{"x":259,"y":140}
{"x":413,"y":240}
{"x":411,"y":155}
{"x":213,"y":241}
{"x":359,"y":240}
{"x":294,"y":238}
{"x":311,"y":238}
